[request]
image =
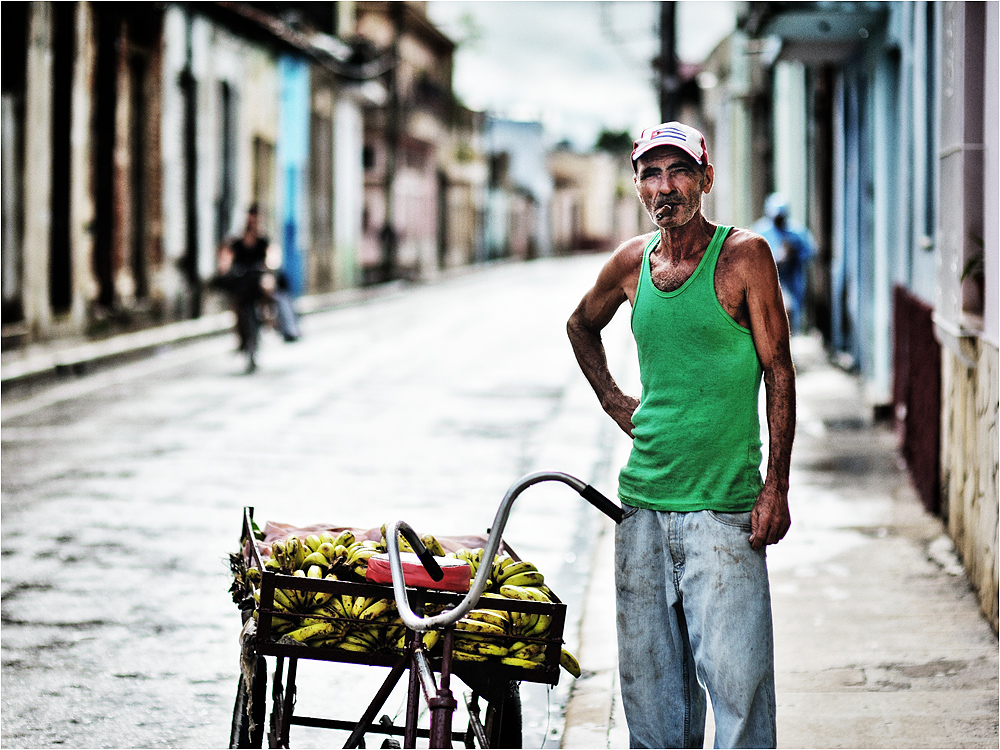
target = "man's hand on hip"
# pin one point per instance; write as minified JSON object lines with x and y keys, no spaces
{"x":770,"y":518}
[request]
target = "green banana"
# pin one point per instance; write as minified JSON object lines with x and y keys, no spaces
{"x":312,"y":542}
{"x":345,"y":538}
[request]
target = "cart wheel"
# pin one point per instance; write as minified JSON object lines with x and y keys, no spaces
{"x":242,"y":735}
{"x":503,"y":718}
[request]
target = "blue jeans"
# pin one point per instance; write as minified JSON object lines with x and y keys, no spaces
{"x":694,"y":613}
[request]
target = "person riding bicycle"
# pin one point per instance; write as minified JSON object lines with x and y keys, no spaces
{"x":250,"y":271}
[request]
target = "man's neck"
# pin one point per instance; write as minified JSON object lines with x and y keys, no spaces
{"x":686,"y":241}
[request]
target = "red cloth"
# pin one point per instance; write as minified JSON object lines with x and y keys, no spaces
{"x":457,"y":573}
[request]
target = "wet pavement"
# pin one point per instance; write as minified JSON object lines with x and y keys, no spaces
{"x":123,"y":493}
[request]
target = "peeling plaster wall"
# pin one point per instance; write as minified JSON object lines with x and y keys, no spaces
{"x":969,"y":464}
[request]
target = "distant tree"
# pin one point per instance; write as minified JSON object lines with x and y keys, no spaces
{"x":614,"y":142}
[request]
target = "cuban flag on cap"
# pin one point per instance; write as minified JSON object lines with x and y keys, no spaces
{"x":676,"y":134}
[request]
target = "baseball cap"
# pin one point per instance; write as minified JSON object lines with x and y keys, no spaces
{"x":676,"y":134}
{"x":775,"y":205}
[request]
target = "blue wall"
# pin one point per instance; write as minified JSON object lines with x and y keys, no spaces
{"x":293,"y":162}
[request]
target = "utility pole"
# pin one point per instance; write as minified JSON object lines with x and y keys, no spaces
{"x":669,"y":83}
{"x":189,"y":86}
{"x":389,"y":238}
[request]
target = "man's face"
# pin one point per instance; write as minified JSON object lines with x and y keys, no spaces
{"x":253,"y":223}
{"x":670,"y":185}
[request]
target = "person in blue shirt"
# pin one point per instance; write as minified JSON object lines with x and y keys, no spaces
{"x":793,"y":248}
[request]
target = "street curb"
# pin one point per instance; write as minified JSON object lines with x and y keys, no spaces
{"x":45,"y":363}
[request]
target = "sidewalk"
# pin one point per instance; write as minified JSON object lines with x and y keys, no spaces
{"x":879,"y":641}
{"x":48,"y":361}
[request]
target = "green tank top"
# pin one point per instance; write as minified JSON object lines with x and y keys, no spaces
{"x":696,"y":443}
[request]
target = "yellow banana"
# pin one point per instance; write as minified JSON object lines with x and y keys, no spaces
{"x":516,"y":569}
{"x":569,"y":663}
{"x":360,"y":648}
{"x":326,"y":642}
{"x":363,"y":638}
{"x":528,"y":651}
{"x":433,"y":545}
{"x":541,"y":626}
{"x":295,"y":552}
{"x":513,"y":661}
{"x":282,"y":601}
{"x":312,"y":542}
{"x":377,"y":609}
{"x":493,"y":617}
{"x":499,"y":563}
{"x":322,"y":598}
{"x":345,"y":537}
{"x":361,"y":603}
{"x":347,"y":602}
{"x":479,"y":626}
{"x":315,"y":630}
{"x":278,"y":549}
{"x":524,"y":593}
{"x":467,"y":656}
{"x":477,"y":646}
{"x":528,"y":578}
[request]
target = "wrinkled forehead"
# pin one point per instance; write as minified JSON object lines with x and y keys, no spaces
{"x":665,"y":153}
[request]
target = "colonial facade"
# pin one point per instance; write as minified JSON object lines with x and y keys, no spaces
{"x":424,"y":176}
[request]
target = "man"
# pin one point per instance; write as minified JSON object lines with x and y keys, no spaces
{"x":793,"y":248}
{"x":250,"y":270}
{"x":693,"y":604}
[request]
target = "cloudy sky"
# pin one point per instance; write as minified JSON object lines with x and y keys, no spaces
{"x":578,"y":66}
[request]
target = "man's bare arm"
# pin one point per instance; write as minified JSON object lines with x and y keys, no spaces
{"x":584,"y":327}
{"x":771,"y":518}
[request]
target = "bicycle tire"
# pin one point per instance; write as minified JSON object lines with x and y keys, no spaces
{"x":503,"y":719}
{"x":241,"y":734}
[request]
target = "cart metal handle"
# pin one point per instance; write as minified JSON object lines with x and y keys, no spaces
{"x":394,"y":529}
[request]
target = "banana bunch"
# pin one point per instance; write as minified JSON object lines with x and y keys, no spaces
{"x":515,"y":638}
{"x":476,"y":635}
{"x":325,"y":550}
{"x":351,"y":623}
{"x":430,"y":542}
